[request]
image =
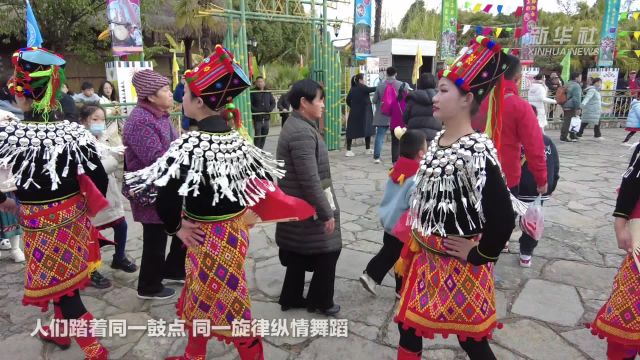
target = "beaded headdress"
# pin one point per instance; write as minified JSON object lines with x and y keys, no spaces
{"x":39,"y":75}
{"x":479,"y":70}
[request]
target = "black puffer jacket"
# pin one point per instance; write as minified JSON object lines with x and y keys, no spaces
{"x":306,"y":161}
{"x":418,"y":114}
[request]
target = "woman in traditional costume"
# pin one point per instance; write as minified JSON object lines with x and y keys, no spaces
{"x":461,"y":215}
{"x":56,"y":170}
{"x":618,"y":321}
{"x":207,"y":181}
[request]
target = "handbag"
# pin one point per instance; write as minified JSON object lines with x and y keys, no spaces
{"x":143,"y":197}
{"x":575,"y":124}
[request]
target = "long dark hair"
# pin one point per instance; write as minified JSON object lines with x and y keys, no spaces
{"x":113,"y":91}
{"x":88,"y":110}
{"x":355,"y":80}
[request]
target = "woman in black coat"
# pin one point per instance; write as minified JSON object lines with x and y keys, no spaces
{"x":360,"y":121}
{"x":418,"y":115}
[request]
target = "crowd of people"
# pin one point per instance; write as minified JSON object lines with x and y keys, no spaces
{"x":465,"y":165}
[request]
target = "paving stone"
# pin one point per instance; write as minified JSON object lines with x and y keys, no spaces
{"x":504,"y":354}
{"x":588,"y":343}
{"x":570,"y":219}
{"x":363,"y":330}
{"x":132,"y":336}
{"x":535,"y":341}
{"x":358,"y":305}
{"x":352,"y":207}
{"x":365,"y":246}
{"x":440,"y":354}
{"x":352,"y":263}
{"x":349,"y":226}
{"x":271,"y":310}
{"x":580,"y":275}
{"x":510,"y":275}
{"x":21,"y":347}
{"x":347,"y":348}
{"x":269,"y":279}
{"x":612,"y":260}
{"x":549,"y":302}
{"x":126,"y":299}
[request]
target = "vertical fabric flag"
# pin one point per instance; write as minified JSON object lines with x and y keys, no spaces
{"x":566,"y":67}
{"x":175,"y":69}
{"x":416,"y":66}
{"x":449,"y":27}
{"x":608,"y":33}
{"x":529,"y":22}
{"x":362,"y":33}
{"x":34,"y":38}
{"x":125,"y":25}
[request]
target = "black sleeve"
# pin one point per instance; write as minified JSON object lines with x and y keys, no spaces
{"x":169,"y":206}
{"x":3,"y":197}
{"x":371,"y":89}
{"x":281,"y":106}
{"x":254,"y":101}
{"x":630,"y":188}
{"x":98,"y":175}
{"x":499,"y":216}
{"x":556,"y":167}
{"x":272,"y":102}
{"x":407,"y":111}
{"x":349,"y":98}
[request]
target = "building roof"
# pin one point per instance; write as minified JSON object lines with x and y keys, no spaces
{"x":404,"y":47}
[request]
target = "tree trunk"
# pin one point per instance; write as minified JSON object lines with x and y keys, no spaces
{"x":188,"y":42}
{"x":377,"y":31}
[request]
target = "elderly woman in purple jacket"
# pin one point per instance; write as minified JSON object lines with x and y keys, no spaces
{"x":147,"y":135}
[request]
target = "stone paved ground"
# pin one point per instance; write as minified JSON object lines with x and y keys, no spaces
{"x":543,"y":307}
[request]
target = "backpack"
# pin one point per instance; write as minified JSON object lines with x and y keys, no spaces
{"x":389,"y":98}
{"x":561,"y":95}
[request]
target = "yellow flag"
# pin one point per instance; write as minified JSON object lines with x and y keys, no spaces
{"x":637,"y":53}
{"x":635,"y":15}
{"x":416,"y":66}
{"x":498,"y":32}
{"x":636,"y":34}
{"x":175,"y":70}
{"x":476,"y":8}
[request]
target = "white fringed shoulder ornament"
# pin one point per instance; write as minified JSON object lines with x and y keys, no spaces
{"x":45,"y":142}
{"x":445,"y":173}
{"x":233,"y":166}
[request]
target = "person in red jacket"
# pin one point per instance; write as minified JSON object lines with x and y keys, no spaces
{"x":519,"y":129}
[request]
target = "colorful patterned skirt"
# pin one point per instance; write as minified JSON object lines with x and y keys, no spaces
{"x":59,"y":245}
{"x":9,"y":225}
{"x":442,"y":294}
{"x":215,"y":284}
{"x":619,"y":318}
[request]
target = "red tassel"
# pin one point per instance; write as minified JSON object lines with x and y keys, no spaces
{"x":496,"y":114}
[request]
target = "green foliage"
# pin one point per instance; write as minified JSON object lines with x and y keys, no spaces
{"x":417,"y":23}
{"x":69,"y":26}
{"x":280,"y":75}
{"x":278,"y":41}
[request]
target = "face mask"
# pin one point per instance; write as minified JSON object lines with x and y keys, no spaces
{"x":97,"y":129}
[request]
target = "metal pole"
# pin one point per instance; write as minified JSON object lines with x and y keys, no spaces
{"x":244,"y":100}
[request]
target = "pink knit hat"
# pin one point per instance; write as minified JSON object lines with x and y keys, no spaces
{"x":148,"y":82}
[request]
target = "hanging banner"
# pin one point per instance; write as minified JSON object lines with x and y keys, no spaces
{"x":362,"y":31}
{"x":125,"y":25}
{"x":528,"y":73}
{"x":609,"y":78}
{"x":449,"y":28}
{"x":608,"y":33}
{"x":529,"y":23}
